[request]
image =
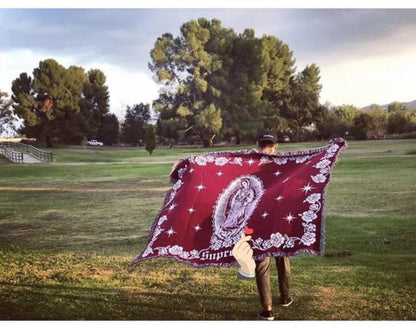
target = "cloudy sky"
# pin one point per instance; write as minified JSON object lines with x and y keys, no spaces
{"x":365,"y":55}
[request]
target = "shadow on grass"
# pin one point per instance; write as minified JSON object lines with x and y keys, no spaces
{"x":54,"y":302}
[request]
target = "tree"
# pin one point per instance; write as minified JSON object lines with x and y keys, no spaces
{"x":398,"y":118}
{"x":380,"y":119}
{"x":95,"y":102}
{"x":132,"y":129}
{"x":209,"y":121}
{"x":30,"y":107}
{"x":412,"y":116}
{"x":150,"y":138}
{"x":328,"y":124}
{"x":364,"y":123}
{"x":48,"y":101}
{"x":278,"y":65}
{"x":347,"y":114}
{"x":258,"y":76}
{"x":242,"y":92}
{"x":301,"y":105}
{"x":7,"y":118}
{"x":411,"y":127}
{"x":191,"y":67}
{"x":60,"y":102}
{"x":249,"y":83}
{"x":109,"y":131}
{"x":72,"y":126}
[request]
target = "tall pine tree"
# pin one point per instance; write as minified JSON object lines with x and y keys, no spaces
{"x":60,"y":102}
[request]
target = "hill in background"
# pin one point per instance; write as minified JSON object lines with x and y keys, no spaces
{"x":410,"y":105}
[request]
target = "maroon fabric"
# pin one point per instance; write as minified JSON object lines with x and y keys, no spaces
{"x":216,"y":195}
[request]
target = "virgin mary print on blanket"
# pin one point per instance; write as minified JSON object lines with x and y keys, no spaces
{"x":216,"y":195}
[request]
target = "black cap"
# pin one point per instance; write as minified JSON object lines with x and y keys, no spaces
{"x":267,"y":136}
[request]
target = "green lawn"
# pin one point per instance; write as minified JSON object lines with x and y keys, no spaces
{"x":69,"y":229}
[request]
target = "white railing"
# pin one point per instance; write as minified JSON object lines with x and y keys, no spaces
{"x":14,"y":152}
{"x":14,"y":156}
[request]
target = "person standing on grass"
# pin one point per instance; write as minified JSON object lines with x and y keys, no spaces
{"x":242,"y":252}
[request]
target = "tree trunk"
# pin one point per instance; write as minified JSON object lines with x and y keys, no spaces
{"x":237,"y":139}
{"x":297,"y":134}
{"x":49,"y":142}
{"x":209,"y":142}
{"x":206,"y":142}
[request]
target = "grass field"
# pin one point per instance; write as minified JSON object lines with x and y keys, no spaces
{"x":69,"y":229}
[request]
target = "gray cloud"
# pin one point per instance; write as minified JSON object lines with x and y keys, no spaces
{"x":126,"y":36}
{"x":100,"y":35}
{"x":340,"y":30}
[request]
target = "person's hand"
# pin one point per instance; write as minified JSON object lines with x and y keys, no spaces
{"x":243,"y":253}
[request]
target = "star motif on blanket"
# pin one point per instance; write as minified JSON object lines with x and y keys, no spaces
{"x":250,"y":162}
{"x":200,"y":187}
{"x":289,"y":218}
{"x":277,"y":173}
{"x":197,"y":228}
{"x":265,"y":214}
{"x":279,"y":198}
{"x":170,"y":232}
{"x":172,"y":206}
{"x":219,"y":173}
{"x":191,"y":210}
{"x":307,"y":188}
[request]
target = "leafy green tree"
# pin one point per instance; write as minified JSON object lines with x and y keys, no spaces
{"x":209,"y":121}
{"x":328,"y":124}
{"x":132,"y":129}
{"x":150,"y":138}
{"x":191,"y":67}
{"x":249,"y":82}
{"x":278,"y":75}
{"x":242,"y":93}
{"x":109,"y":131}
{"x":397,"y":107}
{"x":347,"y":114}
{"x":60,"y":102}
{"x":301,"y":105}
{"x":51,"y":85}
{"x":95,"y":102}
{"x":412,"y":121}
{"x":398,"y":118}
{"x":412,"y":115}
{"x":380,"y":118}
{"x":72,"y":126}
{"x":364,"y":124}
{"x":259,"y":75}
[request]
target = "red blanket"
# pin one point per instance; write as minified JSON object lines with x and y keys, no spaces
{"x":215,"y":196}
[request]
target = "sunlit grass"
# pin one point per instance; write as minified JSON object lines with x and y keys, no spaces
{"x":69,"y":229}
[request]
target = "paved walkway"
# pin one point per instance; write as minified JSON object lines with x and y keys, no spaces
{"x":30,"y":159}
